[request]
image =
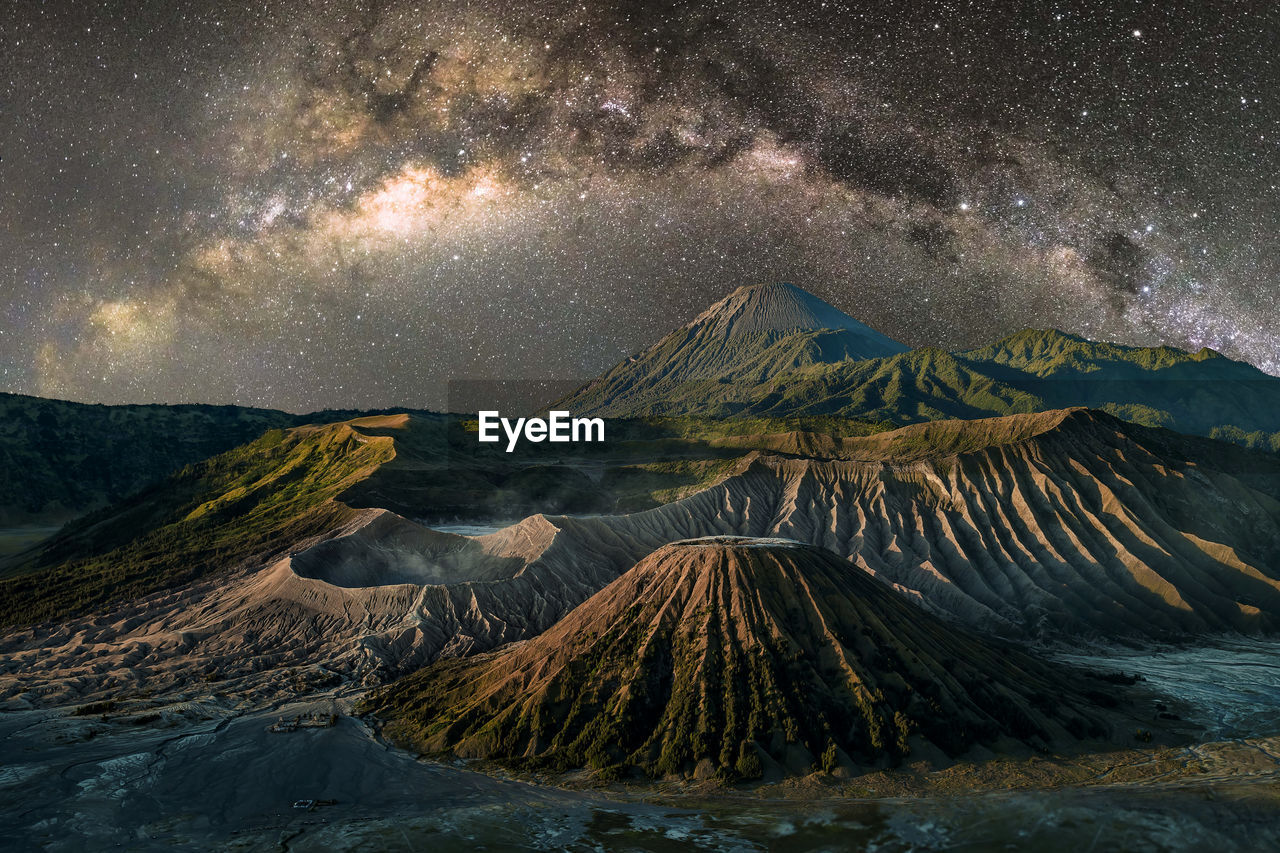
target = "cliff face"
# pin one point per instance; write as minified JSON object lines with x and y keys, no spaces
{"x":1092,"y":526}
{"x":1062,"y":523}
{"x":736,"y":656}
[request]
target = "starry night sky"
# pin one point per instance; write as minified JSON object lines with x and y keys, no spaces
{"x":311,"y":204}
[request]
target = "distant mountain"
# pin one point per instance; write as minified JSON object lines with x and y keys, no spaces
{"x":59,"y":460}
{"x":1049,"y":352}
{"x":1202,"y":392}
{"x":784,"y":308}
{"x":740,"y":658}
{"x":747,"y":338}
{"x":709,"y":368}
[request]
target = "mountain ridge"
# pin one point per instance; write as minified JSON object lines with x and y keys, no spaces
{"x":783,"y":308}
{"x":811,"y":372}
{"x":1044,"y":352}
{"x":60,"y":459}
{"x":754,"y":333}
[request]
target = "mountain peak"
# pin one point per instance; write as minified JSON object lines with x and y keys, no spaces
{"x":737,"y":656}
{"x":754,"y":333}
{"x":783,"y":307}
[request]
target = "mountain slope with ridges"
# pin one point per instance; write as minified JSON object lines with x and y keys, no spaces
{"x":1054,"y":525}
{"x":755,"y":333}
{"x":736,"y":656}
{"x":747,"y":370}
{"x":59,"y":459}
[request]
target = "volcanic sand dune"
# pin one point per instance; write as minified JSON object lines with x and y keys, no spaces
{"x":743,"y":656}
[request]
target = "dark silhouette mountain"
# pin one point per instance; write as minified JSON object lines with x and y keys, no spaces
{"x":59,"y":460}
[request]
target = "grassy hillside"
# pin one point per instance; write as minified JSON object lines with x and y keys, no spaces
{"x":1196,"y":392}
{"x":259,"y":499}
{"x":1200,"y":393}
{"x":60,"y":459}
{"x":1045,"y":352}
{"x":206,"y":518}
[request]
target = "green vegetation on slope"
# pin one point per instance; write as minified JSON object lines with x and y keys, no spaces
{"x":1046,"y":352}
{"x":695,"y":364}
{"x":261,"y":498}
{"x":59,"y":459}
{"x":208,"y":517}
{"x":1035,"y":370}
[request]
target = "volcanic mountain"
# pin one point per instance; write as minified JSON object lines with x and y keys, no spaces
{"x":755,"y":333}
{"x":741,"y":655}
{"x":776,"y":351}
{"x":1053,"y":525}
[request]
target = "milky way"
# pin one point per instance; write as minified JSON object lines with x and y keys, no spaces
{"x":336,"y":204}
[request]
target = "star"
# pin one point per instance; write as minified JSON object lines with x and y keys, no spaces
{"x":546,"y":187}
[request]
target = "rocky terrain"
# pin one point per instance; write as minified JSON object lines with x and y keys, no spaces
{"x":1058,"y":525}
{"x":891,"y":613}
{"x":196,"y":772}
{"x":740,"y":657}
